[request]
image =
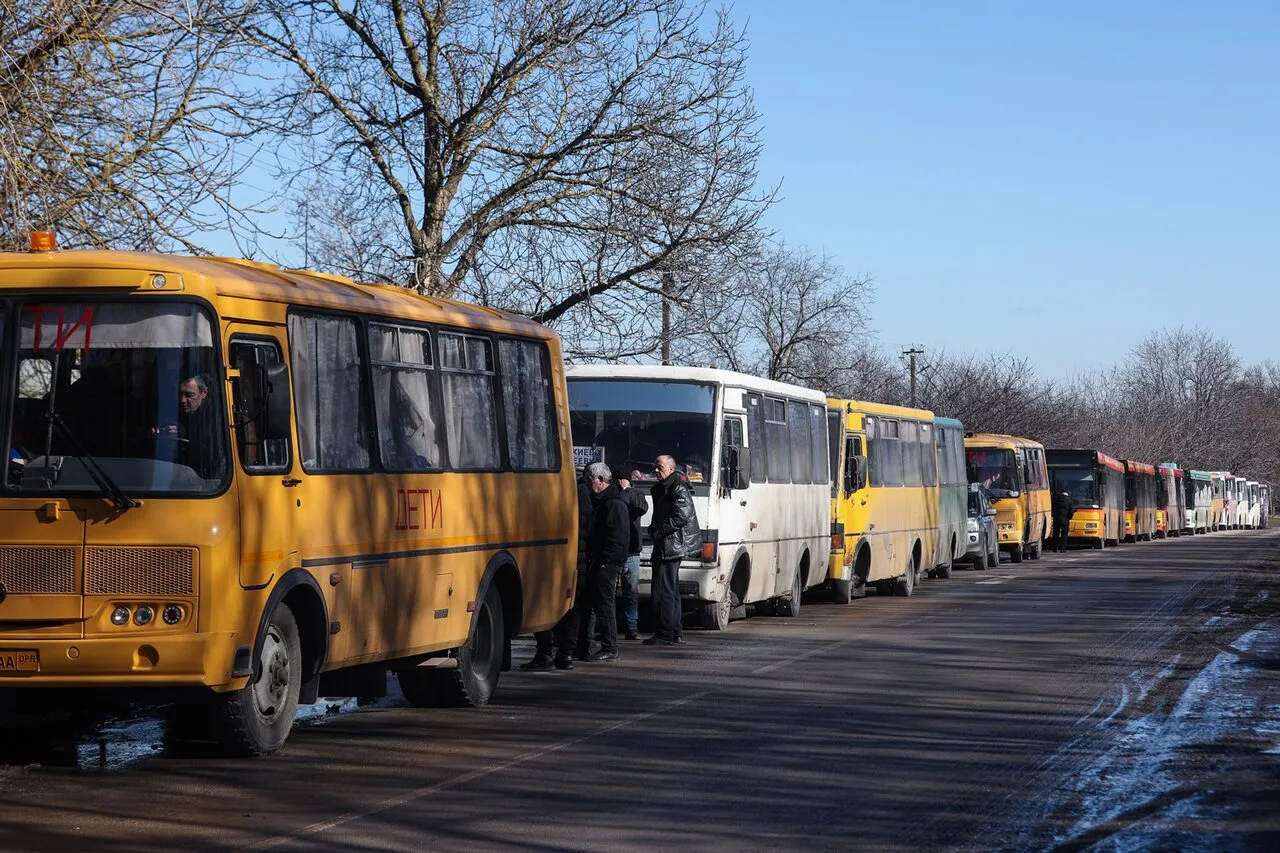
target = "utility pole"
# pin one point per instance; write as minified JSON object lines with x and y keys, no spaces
{"x":911,"y":366}
{"x":668,"y":292}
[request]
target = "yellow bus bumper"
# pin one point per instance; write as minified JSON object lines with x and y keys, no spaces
{"x":187,"y":660}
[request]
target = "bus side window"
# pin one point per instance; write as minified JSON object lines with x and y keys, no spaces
{"x":258,"y":455}
{"x":855,"y":466}
{"x":755,"y":438}
{"x":735,"y":465}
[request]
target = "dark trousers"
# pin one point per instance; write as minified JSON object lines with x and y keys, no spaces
{"x":564,"y":636}
{"x":597,"y":610}
{"x":1060,"y":531}
{"x":665,"y":597}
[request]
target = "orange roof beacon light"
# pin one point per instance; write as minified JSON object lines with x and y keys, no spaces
{"x":44,"y":241}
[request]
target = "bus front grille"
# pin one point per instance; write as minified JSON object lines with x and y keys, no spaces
{"x":139,"y":571}
{"x":26,"y":570}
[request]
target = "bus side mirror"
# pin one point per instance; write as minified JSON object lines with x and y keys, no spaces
{"x":275,"y":403}
{"x":736,"y":472}
{"x":855,"y":474}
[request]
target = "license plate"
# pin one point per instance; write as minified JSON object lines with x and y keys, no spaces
{"x":19,"y":660}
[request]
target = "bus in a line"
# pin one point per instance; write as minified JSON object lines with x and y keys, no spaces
{"x":884,"y":522}
{"x":755,"y":455}
{"x":1199,"y":498}
{"x":1219,"y":507}
{"x":1171,"y":510}
{"x":1139,"y":501}
{"x":1095,"y":482}
{"x":953,"y":495}
{"x":1013,"y":469}
{"x":237,"y":483}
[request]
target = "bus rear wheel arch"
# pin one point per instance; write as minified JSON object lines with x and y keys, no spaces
{"x":473,"y":676}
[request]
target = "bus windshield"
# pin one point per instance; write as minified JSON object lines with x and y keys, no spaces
{"x":121,"y":393}
{"x":994,"y":468}
{"x":1080,"y":484}
{"x":631,"y":422}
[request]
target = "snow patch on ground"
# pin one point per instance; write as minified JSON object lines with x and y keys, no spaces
{"x":1136,"y":778}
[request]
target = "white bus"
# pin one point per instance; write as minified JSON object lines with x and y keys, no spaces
{"x":754,"y":453}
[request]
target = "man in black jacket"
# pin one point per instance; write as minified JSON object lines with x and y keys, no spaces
{"x":637,"y":506}
{"x":1061,"y":510}
{"x":608,"y":543}
{"x":675,"y":535}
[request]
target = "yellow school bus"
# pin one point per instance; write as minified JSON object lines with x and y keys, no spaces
{"x":233,"y":482}
{"x":884,"y":497}
{"x":1014,"y":470}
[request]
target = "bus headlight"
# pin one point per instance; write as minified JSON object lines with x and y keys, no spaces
{"x":172,"y":614}
{"x":120,"y":616}
{"x":144,"y":614}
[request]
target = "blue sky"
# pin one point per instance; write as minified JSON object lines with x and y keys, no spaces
{"x":1053,"y":180}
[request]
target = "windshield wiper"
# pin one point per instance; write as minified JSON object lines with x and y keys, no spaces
{"x":103,"y":480}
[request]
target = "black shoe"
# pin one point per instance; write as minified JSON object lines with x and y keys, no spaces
{"x":602,"y":655}
{"x":632,"y":635}
{"x":582,"y":654}
{"x":679,"y":641}
{"x":655,"y":640}
{"x":563,"y":662}
{"x":541,"y":662}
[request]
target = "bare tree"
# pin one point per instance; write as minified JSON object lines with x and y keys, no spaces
{"x":536,"y":155}
{"x":116,"y":118}
{"x":785,"y":314}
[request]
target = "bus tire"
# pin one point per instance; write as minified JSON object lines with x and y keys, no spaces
{"x":789,"y":605}
{"x":1097,"y":544}
{"x":993,"y":556}
{"x":979,"y":562}
{"x":906,"y":584}
{"x":715,"y":616}
{"x":256,"y":719}
{"x":1015,"y":555}
{"x":471,"y":683}
{"x":943,"y":571}
{"x":1037,"y":549}
{"x":842,"y":592}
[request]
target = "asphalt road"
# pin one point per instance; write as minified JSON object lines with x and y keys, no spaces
{"x":1060,"y":704}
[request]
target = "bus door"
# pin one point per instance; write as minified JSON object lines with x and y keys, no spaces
{"x":735,"y":518}
{"x":271,"y":498}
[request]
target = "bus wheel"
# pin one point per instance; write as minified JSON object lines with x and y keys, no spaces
{"x":842,"y":592}
{"x":1015,"y":556}
{"x":789,"y":605}
{"x":471,"y":683}
{"x":906,"y":584}
{"x":715,"y":616}
{"x":1097,"y":544}
{"x":1036,"y":549}
{"x":257,"y":719}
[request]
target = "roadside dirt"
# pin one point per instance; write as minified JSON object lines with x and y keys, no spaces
{"x":1183,"y":753}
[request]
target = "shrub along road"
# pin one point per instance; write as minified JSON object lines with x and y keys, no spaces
{"x":1125,"y":696}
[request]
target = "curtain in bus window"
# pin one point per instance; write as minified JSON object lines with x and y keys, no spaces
{"x":818,"y":444}
{"x":470,"y":419}
{"x":527,"y":407}
{"x":755,"y":438}
{"x":777,"y":439}
{"x":834,"y":434}
{"x":331,"y":415}
{"x":928,"y":455}
{"x":408,"y":436}
{"x":875,"y":456}
{"x":890,"y":435}
{"x":909,"y":438}
{"x":798,"y":424}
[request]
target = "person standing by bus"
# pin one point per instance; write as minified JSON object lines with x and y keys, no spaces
{"x":555,"y":647}
{"x":1061,"y":509}
{"x":637,"y":506}
{"x":675,"y":534}
{"x":608,"y":541}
